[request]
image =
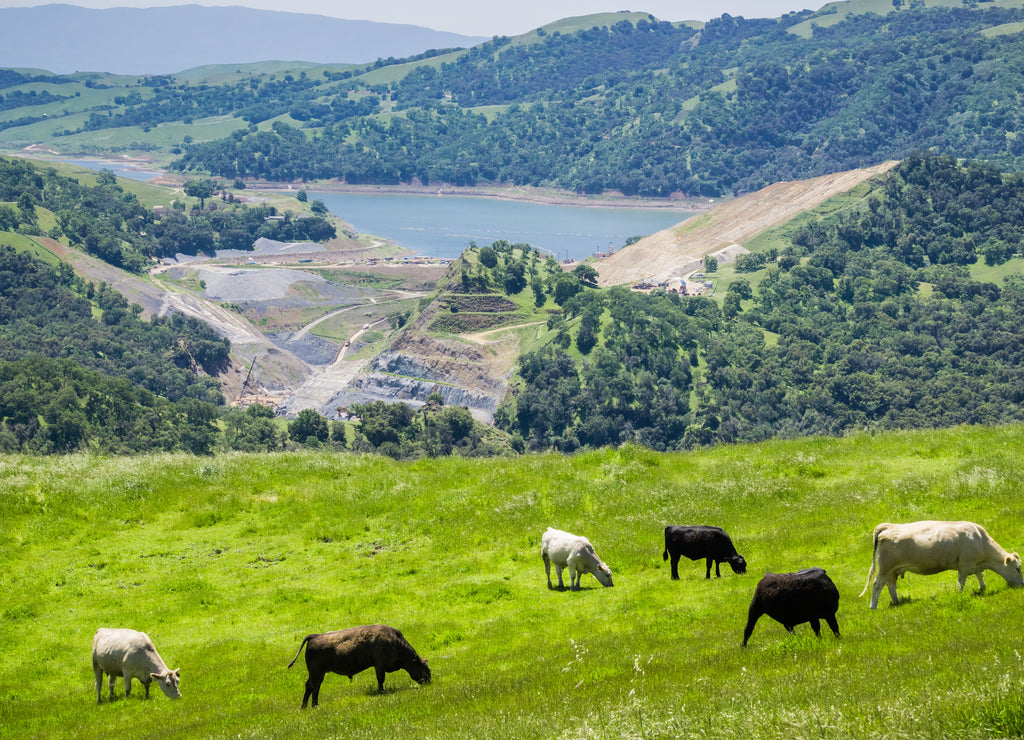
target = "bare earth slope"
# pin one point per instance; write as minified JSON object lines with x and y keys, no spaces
{"x":671,"y":252}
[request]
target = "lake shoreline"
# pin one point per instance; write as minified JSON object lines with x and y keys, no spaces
{"x":523,"y":193}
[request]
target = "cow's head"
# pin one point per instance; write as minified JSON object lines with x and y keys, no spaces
{"x":168,"y":681}
{"x":419,"y":671}
{"x":604,"y":575}
{"x":738,"y":564}
{"x":1012,"y":563}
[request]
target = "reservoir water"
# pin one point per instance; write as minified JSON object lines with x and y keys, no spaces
{"x":132,"y":171}
{"x":444,"y":226}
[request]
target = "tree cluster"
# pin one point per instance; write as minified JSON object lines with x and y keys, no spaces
{"x":76,"y":356}
{"x":112,"y":224}
{"x":838,"y":335}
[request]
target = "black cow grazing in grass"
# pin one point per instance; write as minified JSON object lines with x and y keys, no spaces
{"x":351,"y":651}
{"x":794,"y":598}
{"x":701,"y":541}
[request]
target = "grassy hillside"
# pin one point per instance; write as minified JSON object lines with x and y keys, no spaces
{"x":229,"y":562}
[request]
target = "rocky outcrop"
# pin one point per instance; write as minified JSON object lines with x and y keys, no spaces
{"x":398,"y":376}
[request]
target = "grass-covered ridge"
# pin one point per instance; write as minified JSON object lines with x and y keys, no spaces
{"x":228,"y":562}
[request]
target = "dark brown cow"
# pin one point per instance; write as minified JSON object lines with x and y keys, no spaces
{"x":352,"y":651}
{"x":794,"y":598}
{"x":701,"y":541}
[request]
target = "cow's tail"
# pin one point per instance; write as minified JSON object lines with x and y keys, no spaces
{"x":874,"y":553}
{"x":300,"y":649}
{"x":664,"y":555}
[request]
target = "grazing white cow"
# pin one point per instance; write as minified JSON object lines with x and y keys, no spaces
{"x":929,"y":547}
{"x":130,"y":654}
{"x":575,"y":553}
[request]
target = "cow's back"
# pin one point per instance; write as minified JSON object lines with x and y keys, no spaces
{"x":558,"y":545}
{"x":930,"y":547}
{"x":112,"y":649}
{"x":356,"y":649}
{"x":809,"y":590}
{"x":698,"y":541}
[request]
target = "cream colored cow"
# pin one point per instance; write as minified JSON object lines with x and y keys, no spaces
{"x":931,"y":547}
{"x":575,"y":553}
{"x":130,"y":654}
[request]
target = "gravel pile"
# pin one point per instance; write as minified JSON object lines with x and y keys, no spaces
{"x":256,"y":284}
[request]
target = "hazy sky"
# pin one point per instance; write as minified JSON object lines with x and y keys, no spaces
{"x":478,"y":17}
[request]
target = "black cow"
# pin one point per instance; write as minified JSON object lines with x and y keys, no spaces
{"x":351,"y":651}
{"x":698,"y":542}
{"x":794,"y":598}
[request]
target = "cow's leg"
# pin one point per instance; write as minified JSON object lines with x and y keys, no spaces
{"x":312,"y":689}
{"x":891,"y":585}
{"x":99,"y":683}
{"x":146,"y":684}
{"x":127,"y":684}
{"x":790,"y":628}
{"x":718,"y":573}
{"x":882,"y":581}
{"x":547,"y":569}
{"x":962,"y":580}
{"x":707,"y":561}
{"x":574,"y":579}
{"x":558,"y":569}
{"x":830,"y":620}
{"x":752,"y":616}
{"x":876,"y":591}
{"x":816,"y":626}
{"x":381,"y":673}
{"x":675,"y":566}
{"x":113,"y":679}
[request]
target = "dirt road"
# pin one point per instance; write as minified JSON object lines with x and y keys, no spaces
{"x":671,"y":252}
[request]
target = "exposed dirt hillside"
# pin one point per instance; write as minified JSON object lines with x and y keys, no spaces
{"x":676,"y":251}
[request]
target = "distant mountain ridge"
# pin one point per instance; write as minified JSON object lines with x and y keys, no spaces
{"x":66,"y":38}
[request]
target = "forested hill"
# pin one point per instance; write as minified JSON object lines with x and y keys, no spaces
{"x":639,"y":106}
{"x":868,"y":319}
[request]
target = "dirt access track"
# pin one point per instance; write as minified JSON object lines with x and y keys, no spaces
{"x":680,"y":249}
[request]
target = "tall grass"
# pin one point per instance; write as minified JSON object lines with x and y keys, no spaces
{"x":228,"y":562}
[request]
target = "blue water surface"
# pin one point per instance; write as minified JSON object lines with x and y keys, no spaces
{"x":444,"y":225}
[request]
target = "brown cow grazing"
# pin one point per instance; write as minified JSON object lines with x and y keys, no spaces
{"x":701,"y":541}
{"x":352,"y":651}
{"x":933,"y":547}
{"x":794,"y":598}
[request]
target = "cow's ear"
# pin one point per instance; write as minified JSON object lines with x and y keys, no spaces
{"x":155,"y":676}
{"x":176,"y":672}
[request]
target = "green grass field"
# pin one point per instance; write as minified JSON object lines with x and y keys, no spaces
{"x":228,"y":562}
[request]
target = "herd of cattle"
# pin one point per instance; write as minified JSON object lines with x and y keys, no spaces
{"x":925,"y":548}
